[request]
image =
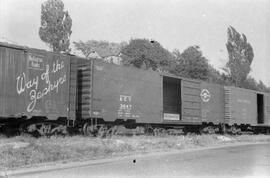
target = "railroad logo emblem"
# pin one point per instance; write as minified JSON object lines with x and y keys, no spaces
{"x":205,"y":95}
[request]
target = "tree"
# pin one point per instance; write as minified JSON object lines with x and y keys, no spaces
{"x":240,"y":56}
{"x":191,"y":63}
{"x":250,"y":83}
{"x":214,"y":76}
{"x":144,"y":53}
{"x":55,"y":29}
{"x":102,"y":48}
{"x":262,"y":87}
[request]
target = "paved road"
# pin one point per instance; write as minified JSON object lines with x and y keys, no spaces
{"x":240,"y":161}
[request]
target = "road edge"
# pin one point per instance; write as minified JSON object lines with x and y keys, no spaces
{"x":82,"y":163}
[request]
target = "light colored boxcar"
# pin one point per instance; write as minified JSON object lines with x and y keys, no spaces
{"x":240,"y":106}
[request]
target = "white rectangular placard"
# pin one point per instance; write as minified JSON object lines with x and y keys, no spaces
{"x":171,"y":117}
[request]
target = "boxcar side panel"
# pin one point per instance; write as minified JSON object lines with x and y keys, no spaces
{"x":126,"y":93}
{"x":212,"y":102}
{"x":33,"y":83}
{"x":240,"y":106}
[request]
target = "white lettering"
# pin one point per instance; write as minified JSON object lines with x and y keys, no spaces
{"x":33,"y":85}
{"x":23,"y":84}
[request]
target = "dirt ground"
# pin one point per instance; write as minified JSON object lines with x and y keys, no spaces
{"x":24,"y":151}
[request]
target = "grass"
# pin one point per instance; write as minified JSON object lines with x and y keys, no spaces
{"x":26,"y":151}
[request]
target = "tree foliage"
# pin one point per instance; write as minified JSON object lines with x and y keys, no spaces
{"x":240,"y":56}
{"x":262,"y":87}
{"x":191,"y":63}
{"x":102,"y":48}
{"x":144,"y":53}
{"x":250,"y":83}
{"x":55,"y":29}
{"x":215,"y":76}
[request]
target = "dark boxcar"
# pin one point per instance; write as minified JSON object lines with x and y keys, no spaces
{"x":241,"y":106}
{"x":212,"y":103}
{"x":115,"y":92}
{"x":126,"y":93}
{"x":34,"y":83}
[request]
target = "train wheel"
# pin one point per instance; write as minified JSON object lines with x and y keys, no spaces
{"x":267,"y":131}
{"x":9,"y":131}
{"x":102,"y":131}
{"x":149,"y":130}
{"x":112,"y":131}
{"x":161,"y":132}
{"x":44,"y":129}
{"x":223,"y":129}
{"x":109,"y":133}
{"x":211,"y":130}
{"x":235,"y":130}
{"x":208,"y":130}
{"x":88,"y":130}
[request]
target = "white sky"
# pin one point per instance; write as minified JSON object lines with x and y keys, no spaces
{"x":174,"y":23}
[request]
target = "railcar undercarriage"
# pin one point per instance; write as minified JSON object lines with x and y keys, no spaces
{"x":97,"y":127}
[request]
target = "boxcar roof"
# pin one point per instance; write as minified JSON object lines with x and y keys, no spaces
{"x":250,"y":90}
{"x":26,"y":48}
{"x":8,"y":45}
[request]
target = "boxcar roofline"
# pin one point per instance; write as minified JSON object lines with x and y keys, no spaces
{"x":133,"y":68}
{"x":29,"y":49}
{"x":250,"y":90}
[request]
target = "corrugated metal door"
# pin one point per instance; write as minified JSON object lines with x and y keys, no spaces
{"x":191,"y":102}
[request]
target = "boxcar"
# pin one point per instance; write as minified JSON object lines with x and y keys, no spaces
{"x":246,"y":107}
{"x":47,"y":92}
{"x":116,"y":93}
{"x":35,"y":84}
